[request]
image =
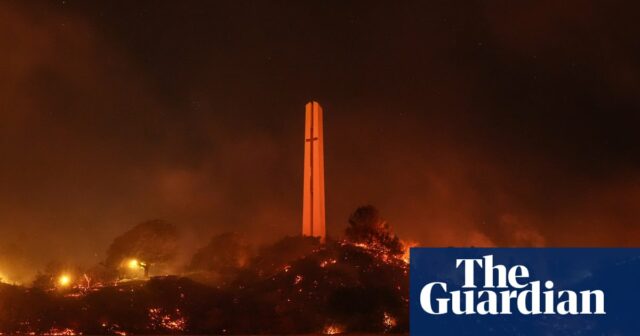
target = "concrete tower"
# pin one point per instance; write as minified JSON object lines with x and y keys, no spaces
{"x":313,"y":222}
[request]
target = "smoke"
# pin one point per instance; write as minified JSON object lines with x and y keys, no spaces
{"x":221,"y":259}
{"x":499,"y":125}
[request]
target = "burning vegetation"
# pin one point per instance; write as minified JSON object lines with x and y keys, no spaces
{"x":297,"y":285}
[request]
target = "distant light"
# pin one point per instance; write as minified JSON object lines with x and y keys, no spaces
{"x":64,"y":280}
{"x":134,"y":264}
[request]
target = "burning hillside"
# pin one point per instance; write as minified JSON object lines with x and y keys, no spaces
{"x":297,"y":285}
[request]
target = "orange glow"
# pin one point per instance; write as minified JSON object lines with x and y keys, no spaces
{"x":389,"y":321}
{"x":313,"y":200}
{"x":134,"y":264}
{"x":327,"y":262}
{"x":407,"y":248}
{"x":173,"y":322}
{"x":332,"y":329}
{"x":64,"y":280}
{"x":61,"y":332}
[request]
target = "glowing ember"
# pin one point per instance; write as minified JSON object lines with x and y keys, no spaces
{"x":389,"y":321}
{"x":327,"y":262}
{"x":332,"y":329}
{"x":383,"y":253}
{"x":61,"y":332}
{"x":172,"y":322}
{"x":294,"y":282}
{"x":362,"y":245}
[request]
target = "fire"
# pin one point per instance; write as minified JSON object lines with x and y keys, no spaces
{"x":61,"y":332}
{"x":332,"y":329}
{"x":362,"y":245}
{"x":304,"y":281}
{"x":407,"y":249}
{"x":383,"y":254}
{"x":389,"y":321}
{"x":64,"y":280}
{"x":173,"y":322}
{"x":327,"y":262}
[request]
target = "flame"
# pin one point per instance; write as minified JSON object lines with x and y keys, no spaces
{"x":362,"y":245}
{"x":327,"y":262}
{"x":407,"y":248}
{"x":61,"y":332}
{"x":382,"y":253}
{"x":173,"y":322}
{"x":332,"y":329}
{"x":389,"y":321}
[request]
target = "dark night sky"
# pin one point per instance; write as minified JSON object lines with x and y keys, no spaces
{"x":491,"y":123}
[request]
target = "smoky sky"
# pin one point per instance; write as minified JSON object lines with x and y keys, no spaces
{"x":475,"y":123}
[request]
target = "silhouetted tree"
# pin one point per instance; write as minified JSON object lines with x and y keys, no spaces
{"x":221,"y":258}
{"x":151,"y":242}
{"x":47,"y":278}
{"x":274,"y":257}
{"x":366,"y":226}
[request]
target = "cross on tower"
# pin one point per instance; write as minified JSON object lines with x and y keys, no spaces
{"x":313,"y":213}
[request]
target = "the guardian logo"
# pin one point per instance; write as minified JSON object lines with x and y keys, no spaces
{"x":524,"y":291}
{"x":493,"y":289}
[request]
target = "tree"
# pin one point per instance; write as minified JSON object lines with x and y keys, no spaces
{"x":274,"y":257}
{"x":150,"y":242}
{"x":366,"y":226}
{"x":221,"y":258}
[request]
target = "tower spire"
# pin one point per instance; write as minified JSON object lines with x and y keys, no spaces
{"x":313,"y":216}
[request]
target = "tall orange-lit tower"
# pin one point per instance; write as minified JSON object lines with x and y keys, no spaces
{"x":313,"y":219}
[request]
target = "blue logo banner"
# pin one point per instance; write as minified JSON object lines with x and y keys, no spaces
{"x":524,"y":291}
